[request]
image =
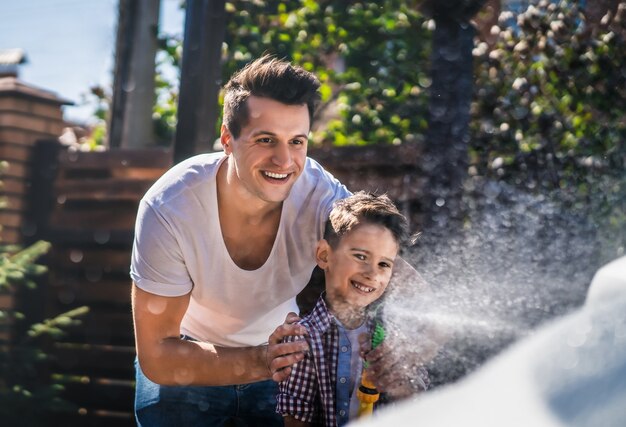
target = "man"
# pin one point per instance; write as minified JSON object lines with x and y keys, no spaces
{"x":223,"y":244}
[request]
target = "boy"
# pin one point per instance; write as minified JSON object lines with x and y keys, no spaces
{"x":361,"y":241}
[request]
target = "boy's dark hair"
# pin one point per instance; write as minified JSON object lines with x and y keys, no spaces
{"x":365,"y":208}
{"x":272,"y":78}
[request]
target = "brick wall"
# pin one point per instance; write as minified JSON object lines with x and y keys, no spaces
{"x":27,"y":114}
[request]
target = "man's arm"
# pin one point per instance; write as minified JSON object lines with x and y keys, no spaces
{"x":168,"y":360}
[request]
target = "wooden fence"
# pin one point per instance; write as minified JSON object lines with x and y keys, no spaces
{"x":85,"y":205}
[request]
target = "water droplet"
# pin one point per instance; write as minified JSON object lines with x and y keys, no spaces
{"x":102,"y":236}
{"x":67,"y":296}
{"x":183,"y":376}
{"x":156,"y":306}
{"x":76,"y":255}
{"x":93,"y":274}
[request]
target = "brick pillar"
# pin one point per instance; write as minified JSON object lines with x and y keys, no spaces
{"x":27,"y":114}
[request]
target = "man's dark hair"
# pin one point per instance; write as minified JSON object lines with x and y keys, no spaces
{"x":365,"y":208}
{"x":272,"y":78}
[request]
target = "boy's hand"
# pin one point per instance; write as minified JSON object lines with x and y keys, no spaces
{"x":399,"y":377}
{"x":280,"y":355}
{"x":397,"y":367}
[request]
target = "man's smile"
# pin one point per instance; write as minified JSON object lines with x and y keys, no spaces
{"x":275,"y":175}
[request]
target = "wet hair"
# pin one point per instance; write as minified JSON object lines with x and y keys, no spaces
{"x":365,"y":208}
{"x":272,"y":78}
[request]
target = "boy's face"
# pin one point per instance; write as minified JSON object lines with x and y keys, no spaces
{"x":270,"y":153}
{"x":358,"y":270}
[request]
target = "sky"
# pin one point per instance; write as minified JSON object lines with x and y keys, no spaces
{"x":69,"y":44}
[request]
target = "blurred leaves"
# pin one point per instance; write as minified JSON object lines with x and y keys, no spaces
{"x":549,"y":110}
{"x":27,"y":392}
{"x":371,"y":58}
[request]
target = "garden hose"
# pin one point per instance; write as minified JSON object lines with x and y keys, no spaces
{"x":367,"y":392}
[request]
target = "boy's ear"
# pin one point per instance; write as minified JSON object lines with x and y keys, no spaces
{"x":321,"y":253}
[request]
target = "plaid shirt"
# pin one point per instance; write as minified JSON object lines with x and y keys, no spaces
{"x":309,"y":393}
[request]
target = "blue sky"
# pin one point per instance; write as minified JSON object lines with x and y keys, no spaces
{"x":69,"y":43}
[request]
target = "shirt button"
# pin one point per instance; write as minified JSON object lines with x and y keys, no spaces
{"x":344,"y":348}
{"x":342,"y":412}
{"x":342,"y":380}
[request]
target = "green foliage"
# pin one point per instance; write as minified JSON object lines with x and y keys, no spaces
{"x":165,"y":110}
{"x":18,"y":267}
{"x":97,"y":138}
{"x":550,"y":100}
{"x":371,"y":58}
{"x":27,"y":392}
{"x":549,"y":110}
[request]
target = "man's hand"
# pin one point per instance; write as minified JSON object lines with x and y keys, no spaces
{"x":281,"y":356}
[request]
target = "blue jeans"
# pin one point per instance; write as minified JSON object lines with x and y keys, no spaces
{"x":251,"y":404}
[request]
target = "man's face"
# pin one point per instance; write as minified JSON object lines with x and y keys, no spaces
{"x":358,"y":270}
{"x":270,"y":152}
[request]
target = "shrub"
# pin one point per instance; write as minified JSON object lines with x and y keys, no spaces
{"x":28,"y":392}
{"x":549,"y":109}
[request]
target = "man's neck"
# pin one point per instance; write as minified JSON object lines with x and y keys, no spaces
{"x":237,"y":203}
{"x":249,"y":225}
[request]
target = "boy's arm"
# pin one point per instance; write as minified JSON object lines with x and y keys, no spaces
{"x":168,"y":360}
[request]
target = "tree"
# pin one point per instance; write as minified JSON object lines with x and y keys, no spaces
{"x":133,"y":91}
{"x":445,"y":155}
{"x":28,"y":394}
{"x":371,"y":57}
{"x":391,"y":75}
{"x":200,"y":84}
{"x":27,"y":391}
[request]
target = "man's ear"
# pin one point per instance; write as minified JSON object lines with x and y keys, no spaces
{"x":321,"y":253}
{"x":226,"y":138}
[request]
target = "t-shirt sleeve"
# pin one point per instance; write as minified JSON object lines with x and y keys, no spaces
{"x":338,"y":191}
{"x":335,"y":191}
{"x":297,"y":395}
{"x":157,"y":264}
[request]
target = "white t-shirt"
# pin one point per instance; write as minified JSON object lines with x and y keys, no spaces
{"x":178,"y":248}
